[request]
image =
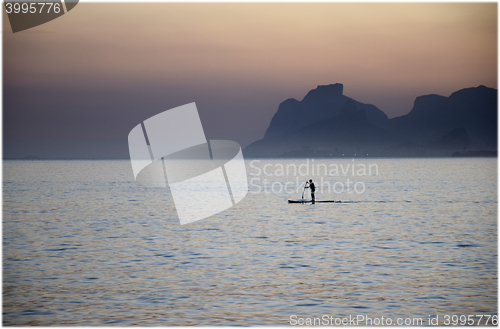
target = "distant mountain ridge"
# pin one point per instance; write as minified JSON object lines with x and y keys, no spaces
{"x":328,"y":123}
{"x":324,"y":102}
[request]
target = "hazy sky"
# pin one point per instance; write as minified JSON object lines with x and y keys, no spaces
{"x":94,"y":73}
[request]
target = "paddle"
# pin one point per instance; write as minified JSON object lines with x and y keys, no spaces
{"x":305,"y":186}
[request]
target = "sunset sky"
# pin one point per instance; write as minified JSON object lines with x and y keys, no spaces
{"x":91,"y":75}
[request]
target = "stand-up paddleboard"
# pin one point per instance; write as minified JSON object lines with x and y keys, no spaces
{"x":310,"y":201}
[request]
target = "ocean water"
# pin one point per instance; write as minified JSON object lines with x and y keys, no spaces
{"x":83,"y":244}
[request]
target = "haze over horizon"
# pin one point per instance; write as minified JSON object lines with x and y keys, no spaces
{"x":88,"y":77}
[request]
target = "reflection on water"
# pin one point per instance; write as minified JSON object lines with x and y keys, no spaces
{"x":83,"y":244}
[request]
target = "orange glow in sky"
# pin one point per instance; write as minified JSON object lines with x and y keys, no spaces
{"x":384,"y":54}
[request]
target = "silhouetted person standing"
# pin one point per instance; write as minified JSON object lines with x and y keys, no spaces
{"x":313,"y":189}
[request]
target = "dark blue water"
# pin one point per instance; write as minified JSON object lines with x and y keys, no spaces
{"x":84,"y":245}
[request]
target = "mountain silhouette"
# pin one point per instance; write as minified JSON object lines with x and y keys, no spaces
{"x":327,"y":123}
{"x":432,"y":116}
{"x":324,"y":102}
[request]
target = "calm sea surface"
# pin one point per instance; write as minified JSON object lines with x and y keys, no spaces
{"x":83,"y":244}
